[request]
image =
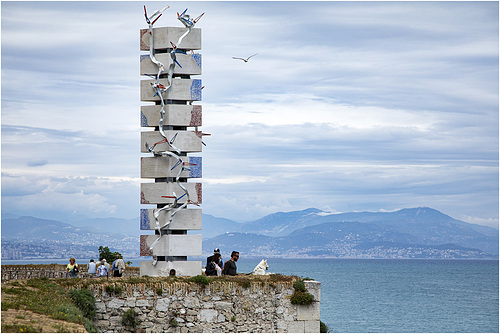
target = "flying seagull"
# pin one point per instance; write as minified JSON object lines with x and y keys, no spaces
{"x":245,"y":60}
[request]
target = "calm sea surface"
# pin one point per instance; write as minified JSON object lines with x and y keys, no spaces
{"x":395,"y":296}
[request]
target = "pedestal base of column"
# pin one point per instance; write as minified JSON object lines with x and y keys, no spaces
{"x":163,"y":268}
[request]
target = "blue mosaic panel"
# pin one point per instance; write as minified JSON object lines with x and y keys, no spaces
{"x":145,"y":220}
{"x":196,"y":90}
{"x":195,"y":170}
{"x":197,"y":59}
{"x":144,"y":120}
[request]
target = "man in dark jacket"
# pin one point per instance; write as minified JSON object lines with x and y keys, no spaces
{"x":230,"y":265}
{"x":209,"y":259}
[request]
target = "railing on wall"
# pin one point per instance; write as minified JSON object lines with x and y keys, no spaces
{"x":13,"y":272}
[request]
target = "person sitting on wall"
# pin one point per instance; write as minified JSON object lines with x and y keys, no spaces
{"x":102,"y":270}
{"x":230,"y":265}
{"x":108,"y":266}
{"x":72,"y":268}
{"x":213,"y":268}
{"x":216,"y":252}
{"x":92,"y":268}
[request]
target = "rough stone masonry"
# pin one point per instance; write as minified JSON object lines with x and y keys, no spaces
{"x":219,"y":307}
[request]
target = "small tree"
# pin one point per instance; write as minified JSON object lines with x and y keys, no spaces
{"x":105,"y":253}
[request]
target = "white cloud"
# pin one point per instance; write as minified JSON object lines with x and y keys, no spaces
{"x":34,"y":194}
{"x":284,"y":109}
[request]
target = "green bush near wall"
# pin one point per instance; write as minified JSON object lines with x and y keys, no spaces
{"x":85,"y":301}
{"x":300,"y":295}
{"x":129,"y":319}
{"x":322,"y":327}
{"x":200,"y":279}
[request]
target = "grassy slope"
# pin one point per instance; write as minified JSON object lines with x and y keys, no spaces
{"x":39,"y":305}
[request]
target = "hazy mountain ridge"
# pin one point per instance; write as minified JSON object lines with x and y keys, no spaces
{"x":313,"y":232}
{"x":417,"y":232}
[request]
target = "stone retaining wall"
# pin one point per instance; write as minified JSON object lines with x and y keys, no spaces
{"x":219,"y":307}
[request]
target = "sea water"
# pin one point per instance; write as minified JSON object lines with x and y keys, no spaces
{"x":393,"y":296}
{"x":401,"y":296}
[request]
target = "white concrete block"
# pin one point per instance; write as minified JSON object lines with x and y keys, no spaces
{"x":308,"y":312}
{"x":175,"y":115}
{"x":172,"y":245}
{"x":152,"y":193}
{"x":186,"y":141}
{"x":191,"y":64}
{"x":186,"y":219}
{"x":162,"y":36}
{"x":162,"y":268}
{"x":311,"y":326}
{"x":282,"y":325}
{"x":295,"y":327}
{"x":314,"y":288}
{"x":181,"y":89}
{"x":167,"y":166}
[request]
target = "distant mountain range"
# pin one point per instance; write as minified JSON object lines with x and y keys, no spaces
{"x":407,"y":233}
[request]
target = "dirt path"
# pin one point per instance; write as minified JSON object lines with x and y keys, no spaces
{"x":15,"y":320}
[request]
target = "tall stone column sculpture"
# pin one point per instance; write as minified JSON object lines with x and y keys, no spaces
{"x":170,"y":134}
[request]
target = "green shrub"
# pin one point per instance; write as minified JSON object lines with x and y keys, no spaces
{"x":301,"y":298}
{"x":69,"y":313}
{"x":20,"y":329}
{"x":159,"y":291}
{"x":299,"y":286}
{"x":300,"y":295}
{"x":113,"y":289}
{"x":322,"y":327}
{"x":173,"y":322}
{"x":6,"y":306}
{"x":245,"y":284}
{"x":89,"y":326}
{"x":109,"y":289}
{"x":200,"y":279}
{"x":85,"y":301}
{"x":129,"y":318}
{"x":137,"y":280}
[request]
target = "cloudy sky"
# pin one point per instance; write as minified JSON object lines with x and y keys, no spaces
{"x":348,"y":106}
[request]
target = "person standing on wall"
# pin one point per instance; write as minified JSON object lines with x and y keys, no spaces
{"x":219,"y":263}
{"x":230,"y":265}
{"x":213,"y":269}
{"x":118,"y":266}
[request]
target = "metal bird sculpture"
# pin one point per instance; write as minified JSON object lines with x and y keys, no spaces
{"x":245,"y":60}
